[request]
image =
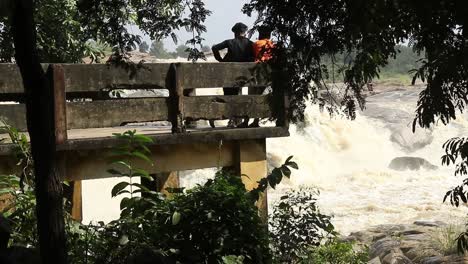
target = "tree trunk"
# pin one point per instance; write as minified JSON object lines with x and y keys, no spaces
{"x":40,"y":121}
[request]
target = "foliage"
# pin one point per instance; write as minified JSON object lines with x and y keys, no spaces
{"x":66,"y":27}
{"x":20,"y":210}
{"x":18,"y":192}
{"x":158,"y":50}
{"x":297,"y":224}
{"x":60,"y":35}
{"x":402,"y":64}
{"x":22,"y":153}
{"x":336,"y":252}
{"x":444,"y":240}
{"x":456,"y":152}
{"x":179,"y":228}
{"x":183,"y":227}
{"x":133,"y":147}
{"x":308,"y":31}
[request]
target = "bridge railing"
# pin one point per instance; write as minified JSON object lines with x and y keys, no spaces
{"x":82,"y":94}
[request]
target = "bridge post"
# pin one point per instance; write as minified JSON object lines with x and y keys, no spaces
{"x":77,"y":201}
{"x":176,"y":93}
{"x":253,"y":167}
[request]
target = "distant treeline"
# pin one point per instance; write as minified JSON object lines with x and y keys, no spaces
{"x":405,"y":61}
{"x":158,"y":50}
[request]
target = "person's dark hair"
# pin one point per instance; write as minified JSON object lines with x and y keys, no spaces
{"x":264,"y":32}
{"x":240,"y":28}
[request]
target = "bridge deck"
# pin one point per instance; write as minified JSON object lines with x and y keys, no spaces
{"x":101,"y":138}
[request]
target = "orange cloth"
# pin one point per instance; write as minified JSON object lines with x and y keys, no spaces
{"x":262,"y":50}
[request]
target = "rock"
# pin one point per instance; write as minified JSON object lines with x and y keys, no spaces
{"x":387,"y":229}
{"x":410,"y":163}
{"x":375,"y":260}
{"x":411,"y":232}
{"x":455,"y":259}
{"x":383,"y":247}
{"x":396,"y":257}
{"x":432,"y":260}
{"x":410,"y":141}
{"x":417,"y":237}
{"x":430,"y":223}
{"x":408,"y":245}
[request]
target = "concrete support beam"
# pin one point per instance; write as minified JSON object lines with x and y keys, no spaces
{"x":77,"y":201}
{"x":253,"y":165}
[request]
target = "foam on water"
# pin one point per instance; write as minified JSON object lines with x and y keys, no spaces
{"x":348,"y":161}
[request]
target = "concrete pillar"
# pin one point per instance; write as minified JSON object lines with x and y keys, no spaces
{"x":77,"y":201}
{"x":166,"y":180}
{"x":253,"y":164}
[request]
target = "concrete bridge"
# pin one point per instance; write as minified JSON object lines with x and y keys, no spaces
{"x":86,"y":117}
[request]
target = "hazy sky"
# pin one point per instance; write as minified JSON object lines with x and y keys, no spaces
{"x":225,"y":14}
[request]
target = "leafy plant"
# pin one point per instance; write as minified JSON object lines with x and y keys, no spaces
{"x":297,"y":225}
{"x":22,"y":153}
{"x":133,"y":147}
{"x":17,"y":192}
{"x":20,"y":210}
{"x":336,"y":252}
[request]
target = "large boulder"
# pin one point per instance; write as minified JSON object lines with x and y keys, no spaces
{"x":410,"y":163}
{"x":409,"y":141}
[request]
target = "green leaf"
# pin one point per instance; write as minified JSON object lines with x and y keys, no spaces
{"x":122,"y":163}
{"x":141,"y":173}
{"x":142,"y":187}
{"x":143,"y":138}
{"x":176,"y":218}
{"x":293,"y":165}
{"x":142,"y":156}
{"x":119,"y":187}
{"x":286,"y":171}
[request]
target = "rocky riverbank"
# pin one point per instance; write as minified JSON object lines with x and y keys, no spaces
{"x":424,"y":242}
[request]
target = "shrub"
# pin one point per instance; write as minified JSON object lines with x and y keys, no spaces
{"x":203,"y":225}
{"x":336,"y":252}
{"x":297,"y":224}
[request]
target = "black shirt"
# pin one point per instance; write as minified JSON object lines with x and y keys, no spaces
{"x":239,"y":50}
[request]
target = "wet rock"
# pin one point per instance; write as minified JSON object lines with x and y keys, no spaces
{"x":410,"y":141}
{"x":430,"y":223}
{"x":433,"y":260}
{"x":410,"y":163}
{"x":383,"y":247}
{"x":396,"y":257}
{"x":411,"y":232}
{"x":408,"y":245}
{"x":455,"y":259}
{"x":375,"y":260}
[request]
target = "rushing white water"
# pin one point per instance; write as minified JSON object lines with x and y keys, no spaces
{"x":348,"y":162}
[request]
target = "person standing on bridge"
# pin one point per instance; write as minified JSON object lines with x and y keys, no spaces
{"x":239,"y":49}
{"x":263,"y":52}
